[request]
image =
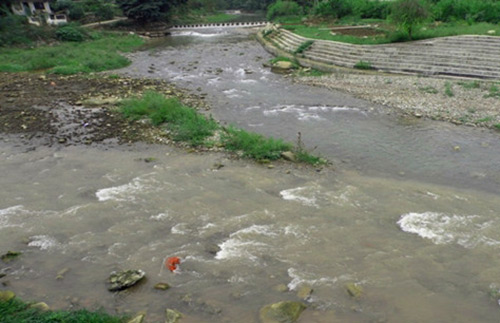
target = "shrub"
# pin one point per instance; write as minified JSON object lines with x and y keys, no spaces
{"x":283,"y":9}
{"x":362,"y":65}
{"x":408,"y":14}
{"x":304,"y":46}
{"x":335,"y":8}
{"x":70,"y":32}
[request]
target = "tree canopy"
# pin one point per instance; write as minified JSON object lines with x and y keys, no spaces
{"x":144,"y":11}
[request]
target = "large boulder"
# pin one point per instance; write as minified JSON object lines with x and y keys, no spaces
{"x":282,"y":67}
{"x":282,"y":312}
{"x":124,"y":279}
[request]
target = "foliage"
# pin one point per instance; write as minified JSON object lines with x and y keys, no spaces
{"x":357,"y":8}
{"x":429,"y":89}
{"x":186,"y":123}
{"x":468,"y":10}
{"x":362,"y":65}
{"x":254,"y":145}
{"x":15,"y":30}
{"x":71,"y":32}
{"x":304,"y":46}
{"x":15,"y":311}
{"x":73,"y":57}
{"x":283,"y":9}
{"x":148,"y":10}
{"x":448,"y":90}
{"x":470,"y":85}
{"x":408,"y":14}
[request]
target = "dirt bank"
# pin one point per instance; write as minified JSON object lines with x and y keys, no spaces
{"x":67,"y":110}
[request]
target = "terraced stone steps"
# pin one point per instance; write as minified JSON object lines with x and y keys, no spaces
{"x":463,"y":56}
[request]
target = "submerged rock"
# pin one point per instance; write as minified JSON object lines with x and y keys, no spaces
{"x":281,"y":312}
{"x":10,"y":255}
{"x":139,"y":318}
{"x":124,"y":279}
{"x":162,"y":286}
{"x":305,"y":292}
{"x":172,"y":316}
{"x":6,"y":295}
{"x":354,"y":290}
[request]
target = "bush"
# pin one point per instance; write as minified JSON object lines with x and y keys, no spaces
{"x":76,"y":12}
{"x":408,"y":14}
{"x":15,"y":30}
{"x":283,"y":9}
{"x":71,"y":32}
{"x":335,"y":8}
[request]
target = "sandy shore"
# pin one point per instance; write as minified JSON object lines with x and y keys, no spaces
{"x":467,"y":102}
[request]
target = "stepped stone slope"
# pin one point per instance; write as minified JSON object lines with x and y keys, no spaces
{"x":461,"y":56}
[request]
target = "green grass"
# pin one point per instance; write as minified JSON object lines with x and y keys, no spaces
{"x":494,"y":92}
{"x":362,"y":65}
{"x":16,"y":311}
{"x":253,"y":145}
{"x":187,"y":125}
{"x":304,"y":46}
{"x":485,"y":119}
{"x":470,"y":85}
{"x":428,"y":89}
{"x":219,"y":17}
{"x":390,"y":33}
{"x":448,"y":90}
{"x":497,"y":126}
{"x":99,"y":54}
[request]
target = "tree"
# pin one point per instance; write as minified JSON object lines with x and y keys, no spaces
{"x":148,"y":10}
{"x":408,"y":14}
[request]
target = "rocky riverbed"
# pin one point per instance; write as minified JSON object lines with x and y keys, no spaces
{"x":468,"y":102}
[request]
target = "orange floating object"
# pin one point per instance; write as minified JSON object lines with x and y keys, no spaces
{"x":172,"y":262}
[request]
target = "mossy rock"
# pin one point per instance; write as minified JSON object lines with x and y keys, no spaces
{"x":282,"y":312}
{"x":124,"y":279}
{"x":172,"y":316}
{"x":6,"y":295}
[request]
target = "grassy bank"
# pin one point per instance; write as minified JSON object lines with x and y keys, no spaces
{"x":388,"y":34}
{"x":100,"y":53}
{"x":187,"y":125}
{"x":15,"y":311}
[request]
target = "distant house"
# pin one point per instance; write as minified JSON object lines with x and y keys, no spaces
{"x":37,"y":10}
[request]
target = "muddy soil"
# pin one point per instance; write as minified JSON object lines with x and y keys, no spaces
{"x":72,"y":110}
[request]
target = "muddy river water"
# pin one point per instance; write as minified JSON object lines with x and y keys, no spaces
{"x":406,"y":217}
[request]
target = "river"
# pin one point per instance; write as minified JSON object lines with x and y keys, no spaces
{"x":405,"y":216}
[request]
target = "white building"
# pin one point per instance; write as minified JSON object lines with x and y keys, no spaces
{"x":36,"y":10}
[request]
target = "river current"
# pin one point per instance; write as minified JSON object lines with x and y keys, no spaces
{"x":406,"y":217}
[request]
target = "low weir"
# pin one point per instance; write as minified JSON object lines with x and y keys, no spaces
{"x":249,"y":24}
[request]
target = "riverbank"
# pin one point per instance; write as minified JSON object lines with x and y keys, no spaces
{"x":462,"y":102}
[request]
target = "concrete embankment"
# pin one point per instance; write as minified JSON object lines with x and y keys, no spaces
{"x":468,"y":56}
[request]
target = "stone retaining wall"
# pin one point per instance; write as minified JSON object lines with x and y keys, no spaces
{"x":459,"y":56}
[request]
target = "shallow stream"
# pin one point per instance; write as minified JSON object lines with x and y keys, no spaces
{"x":410,"y":220}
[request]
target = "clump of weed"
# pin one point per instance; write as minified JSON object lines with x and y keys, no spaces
{"x":448,"y":89}
{"x":304,"y":46}
{"x":363,"y":65}
{"x":494,"y":92}
{"x":254,"y":145}
{"x":186,"y":124}
{"x":470,"y":85}
{"x":428,"y":89}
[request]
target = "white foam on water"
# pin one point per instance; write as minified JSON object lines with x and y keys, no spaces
{"x":248,"y":81}
{"x":465,"y":230}
{"x":240,"y":72}
{"x":160,"y":217}
{"x":197,"y":34}
{"x":325,"y":108}
{"x":179,"y":228}
{"x":299,"y":278}
{"x":124,"y":192}
{"x":254,"y":107}
{"x":243,"y":242}
{"x":6,"y":213}
{"x":232,"y":93}
{"x":304,"y":195}
{"x":43,"y":242}
{"x":302,"y":113}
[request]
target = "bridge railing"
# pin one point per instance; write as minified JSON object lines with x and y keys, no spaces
{"x":221,"y":25}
